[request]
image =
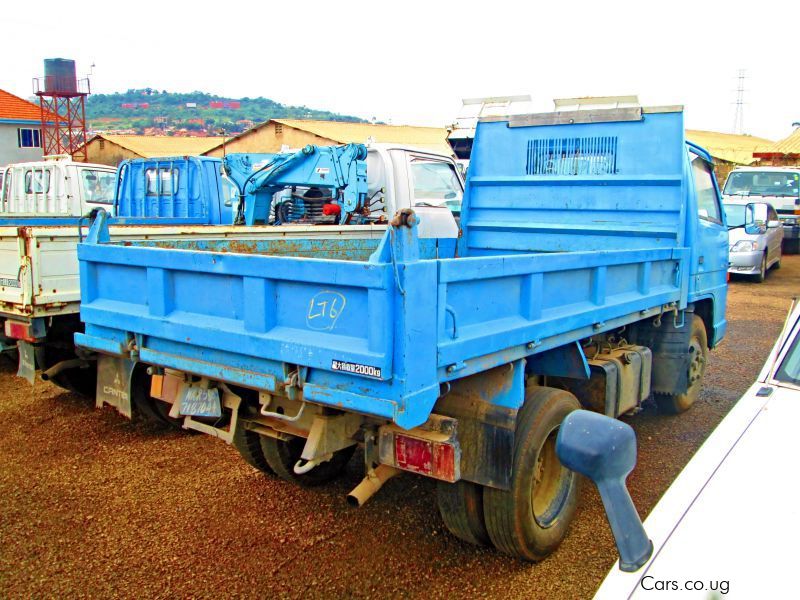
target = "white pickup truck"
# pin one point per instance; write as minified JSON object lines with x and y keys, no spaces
{"x":162,"y":199}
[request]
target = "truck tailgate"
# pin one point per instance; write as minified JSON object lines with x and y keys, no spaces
{"x":243,"y":307}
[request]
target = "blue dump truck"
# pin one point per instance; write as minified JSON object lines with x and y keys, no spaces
{"x":590,"y":271}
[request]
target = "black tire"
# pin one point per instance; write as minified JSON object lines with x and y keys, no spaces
{"x":248,"y":443}
{"x":59,"y":346}
{"x":82,"y":381}
{"x":461,"y":507}
{"x":531,"y":519}
{"x":281,"y":457}
{"x":674,"y":404}
{"x":762,"y":270}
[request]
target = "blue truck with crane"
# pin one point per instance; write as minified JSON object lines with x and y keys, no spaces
{"x":588,"y":270}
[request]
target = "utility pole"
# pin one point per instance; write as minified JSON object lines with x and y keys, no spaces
{"x":738,"y":118}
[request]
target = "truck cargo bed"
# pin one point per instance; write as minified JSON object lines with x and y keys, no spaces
{"x":379,"y":335}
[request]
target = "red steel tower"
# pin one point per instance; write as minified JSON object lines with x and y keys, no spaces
{"x":62,"y":100}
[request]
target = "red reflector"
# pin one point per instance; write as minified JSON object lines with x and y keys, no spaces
{"x":434,"y":459}
{"x":19,"y":331}
{"x":413,"y":454}
{"x":444,"y":466}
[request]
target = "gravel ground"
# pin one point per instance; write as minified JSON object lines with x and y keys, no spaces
{"x":92,"y":505}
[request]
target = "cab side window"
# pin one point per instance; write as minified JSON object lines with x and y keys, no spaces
{"x":37,"y":181}
{"x":707,"y":204}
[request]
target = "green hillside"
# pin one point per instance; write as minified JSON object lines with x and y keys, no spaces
{"x":153,"y":111}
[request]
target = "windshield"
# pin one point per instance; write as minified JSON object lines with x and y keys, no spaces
{"x":436,"y":184}
{"x":98,"y":186}
{"x":763,"y":183}
{"x":789,"y":371}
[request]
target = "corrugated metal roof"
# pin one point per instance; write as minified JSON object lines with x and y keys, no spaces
{"x":730,"y":147}
{"x":161,"y":145}
{"x":430,"y":138}
{"x":788,"y":145}
{"x":15,"y":108}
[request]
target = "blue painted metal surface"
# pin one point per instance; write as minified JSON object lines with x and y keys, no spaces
{"x":258,"y":177}
{"x":546,"y":259}
{"x":187,"y":188}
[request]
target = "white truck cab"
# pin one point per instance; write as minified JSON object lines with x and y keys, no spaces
{"x":405,"y":177}
{"x":56,"y":187}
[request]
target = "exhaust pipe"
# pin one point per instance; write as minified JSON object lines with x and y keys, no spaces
{"x":73,"y":363}
{"x":370,"y":484}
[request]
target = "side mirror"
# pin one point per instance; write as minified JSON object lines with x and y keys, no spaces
{"x":604,"y":450}
{"x":755,"y":218}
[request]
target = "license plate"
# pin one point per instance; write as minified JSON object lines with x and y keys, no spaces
{"x":27,"y":361}
{"x":200,"y":402}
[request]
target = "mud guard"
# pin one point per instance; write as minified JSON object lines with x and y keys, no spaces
{"x":114,"y":376}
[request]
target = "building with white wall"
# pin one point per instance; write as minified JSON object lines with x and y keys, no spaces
{"x":20,"y":130}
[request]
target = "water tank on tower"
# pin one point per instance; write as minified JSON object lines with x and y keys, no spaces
{"x":59,"y":76}
{"x":62,"y":104}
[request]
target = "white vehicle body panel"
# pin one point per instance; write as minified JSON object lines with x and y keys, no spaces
{"x":389,"y":168}
{"x":732,"y":515}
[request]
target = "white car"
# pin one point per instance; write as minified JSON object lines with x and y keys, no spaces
{"x":728,"y":525}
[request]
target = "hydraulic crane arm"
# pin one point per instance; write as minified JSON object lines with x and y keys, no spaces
{"x":340,"y":170}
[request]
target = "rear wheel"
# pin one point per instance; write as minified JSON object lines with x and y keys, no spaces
{"x":698,"y":357}
{"x":530,"y":519}
{"x":461,"y":507}
{"x":59,"y":346}
{"x":82,"y":381}
{"x":281,"y":456}
{"x":248,"y":443}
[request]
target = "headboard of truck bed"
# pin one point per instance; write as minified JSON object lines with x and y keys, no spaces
{"x":608,"y":179}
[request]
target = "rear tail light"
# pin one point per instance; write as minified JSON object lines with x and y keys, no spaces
{"x":430,"y":453}
{"x":19,"y":331}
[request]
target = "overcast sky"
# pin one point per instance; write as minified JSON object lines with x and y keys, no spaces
{"x":411,"y":62}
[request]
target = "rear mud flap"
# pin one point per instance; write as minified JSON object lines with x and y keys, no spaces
{"x":27,"y":361}
{"x":114,"y":383}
